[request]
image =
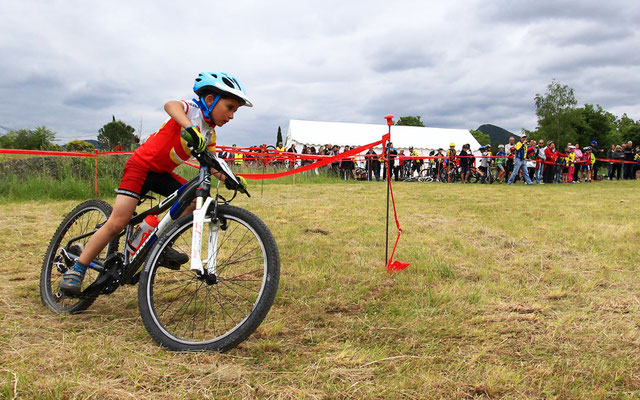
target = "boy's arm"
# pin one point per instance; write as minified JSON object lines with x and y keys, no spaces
{"x":175,"y":109}
{"x":191,"y":133}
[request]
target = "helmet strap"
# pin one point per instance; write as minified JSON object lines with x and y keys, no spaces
{"x":203,"y":105}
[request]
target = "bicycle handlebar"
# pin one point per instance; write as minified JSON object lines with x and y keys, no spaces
{"x":209,"y":160}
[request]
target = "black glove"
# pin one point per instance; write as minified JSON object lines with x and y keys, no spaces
{"x":231,"y":185}
{"x":194,"y":139}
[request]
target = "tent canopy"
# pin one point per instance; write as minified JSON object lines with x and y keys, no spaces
{"x":315,"y":133}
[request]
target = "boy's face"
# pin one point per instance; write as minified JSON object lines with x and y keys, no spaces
{"x":223,"y":110}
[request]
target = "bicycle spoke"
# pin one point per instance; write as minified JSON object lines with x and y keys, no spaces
{"x":227,"y":235}
{"x":236,"y":292}
{"x":180,"y":295}
{"x":222,"y":266}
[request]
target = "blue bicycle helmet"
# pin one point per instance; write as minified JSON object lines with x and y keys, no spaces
{"x":219,"y":83}
{"x":594,"y":142}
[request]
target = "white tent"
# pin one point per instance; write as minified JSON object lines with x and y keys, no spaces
{"x":423,"y":140}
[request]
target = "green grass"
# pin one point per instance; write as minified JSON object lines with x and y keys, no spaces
{"x":513,"y":292}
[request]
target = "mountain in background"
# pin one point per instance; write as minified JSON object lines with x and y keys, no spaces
{"x":498,"y":135}
{"x":96,"y":144}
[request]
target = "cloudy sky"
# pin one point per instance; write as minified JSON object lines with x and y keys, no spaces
{"x":70,"y":65}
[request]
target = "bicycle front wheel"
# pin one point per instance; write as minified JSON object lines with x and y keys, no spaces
{"x":185,"y":311}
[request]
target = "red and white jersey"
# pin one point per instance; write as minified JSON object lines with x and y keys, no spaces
{"x":165,"y":149}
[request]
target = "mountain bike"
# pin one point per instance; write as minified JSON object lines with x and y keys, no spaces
{"x":212,"y":302}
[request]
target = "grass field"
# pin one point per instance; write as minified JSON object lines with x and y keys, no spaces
{"x":513,"y":292}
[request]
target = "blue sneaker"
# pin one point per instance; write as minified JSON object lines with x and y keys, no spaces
{"x":72,"y":280}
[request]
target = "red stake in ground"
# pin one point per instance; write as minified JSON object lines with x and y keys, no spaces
{"x":392,"y":266}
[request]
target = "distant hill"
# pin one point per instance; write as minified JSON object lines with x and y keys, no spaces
{"x":498,"y":135}
{"x":97,"y":145}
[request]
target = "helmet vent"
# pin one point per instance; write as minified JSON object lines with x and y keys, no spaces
{"x":228,"y":82}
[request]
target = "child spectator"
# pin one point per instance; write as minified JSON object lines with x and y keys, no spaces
{"x":451,"y":160}
{"x":500,"y":163}
{"x":532,"y":154}
{"x":578,"y":161}
{"x":485,"y":162}
{"x":416,"y":164}
{"x":440,"y":164}
{"x":465,"y":163}
{"x":571,"y":161}
{"x":589,"y":160}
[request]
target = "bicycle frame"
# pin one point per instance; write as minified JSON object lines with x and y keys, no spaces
{"x":176,"y":202}
{"x":197,"y":188}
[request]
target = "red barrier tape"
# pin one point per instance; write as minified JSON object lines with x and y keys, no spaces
{"x":316,"y":164}
{"x":46,"y":153}
{"x":269,"y":155}
{"x":61,"y":153}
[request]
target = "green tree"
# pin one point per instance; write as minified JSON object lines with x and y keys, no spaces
{"x":481,"y":137}
{"x":80,"y":146}
{"x":410,"y":121}
{"x":597,"y":124}
{"x":627,"y":129}
{"x":116,"y":133}
{"x":279,"y":137}
{"x":40,"y":138}
{"x":557,"y":114}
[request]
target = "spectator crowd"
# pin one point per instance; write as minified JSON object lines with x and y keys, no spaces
{"x":526,"y":160}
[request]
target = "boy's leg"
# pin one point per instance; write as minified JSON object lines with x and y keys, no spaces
{"x":122,"y":211}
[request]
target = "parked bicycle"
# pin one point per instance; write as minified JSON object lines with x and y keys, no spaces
{"x":212,"y":302}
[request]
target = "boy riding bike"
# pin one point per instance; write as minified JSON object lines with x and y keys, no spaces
{"x":150,"y":167}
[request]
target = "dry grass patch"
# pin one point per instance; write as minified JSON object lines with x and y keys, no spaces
{"x":513,"y":292}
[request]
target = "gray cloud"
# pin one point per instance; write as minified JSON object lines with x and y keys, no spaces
{"x":96,"y":95}
{"x":394,"y":59}
{"x":531,"y":11}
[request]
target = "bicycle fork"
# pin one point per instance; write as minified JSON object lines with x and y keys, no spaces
{"x":199,"y":220}
{"x":203,"y":202}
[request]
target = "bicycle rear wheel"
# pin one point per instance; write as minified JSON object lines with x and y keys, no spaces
{"x":185,"y":311}
{"x":491,"y":175}
{"x":84,"y":219}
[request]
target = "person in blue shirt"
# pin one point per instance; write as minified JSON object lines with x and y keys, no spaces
{"x":520,"y":161}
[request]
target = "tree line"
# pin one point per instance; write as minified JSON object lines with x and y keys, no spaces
{"x":115,"y":135}
{"x":561,"y":120}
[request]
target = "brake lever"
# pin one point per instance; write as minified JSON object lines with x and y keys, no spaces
{"x":204,"y":160}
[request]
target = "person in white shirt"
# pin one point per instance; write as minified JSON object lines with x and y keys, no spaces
{"x":540,"y":161}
